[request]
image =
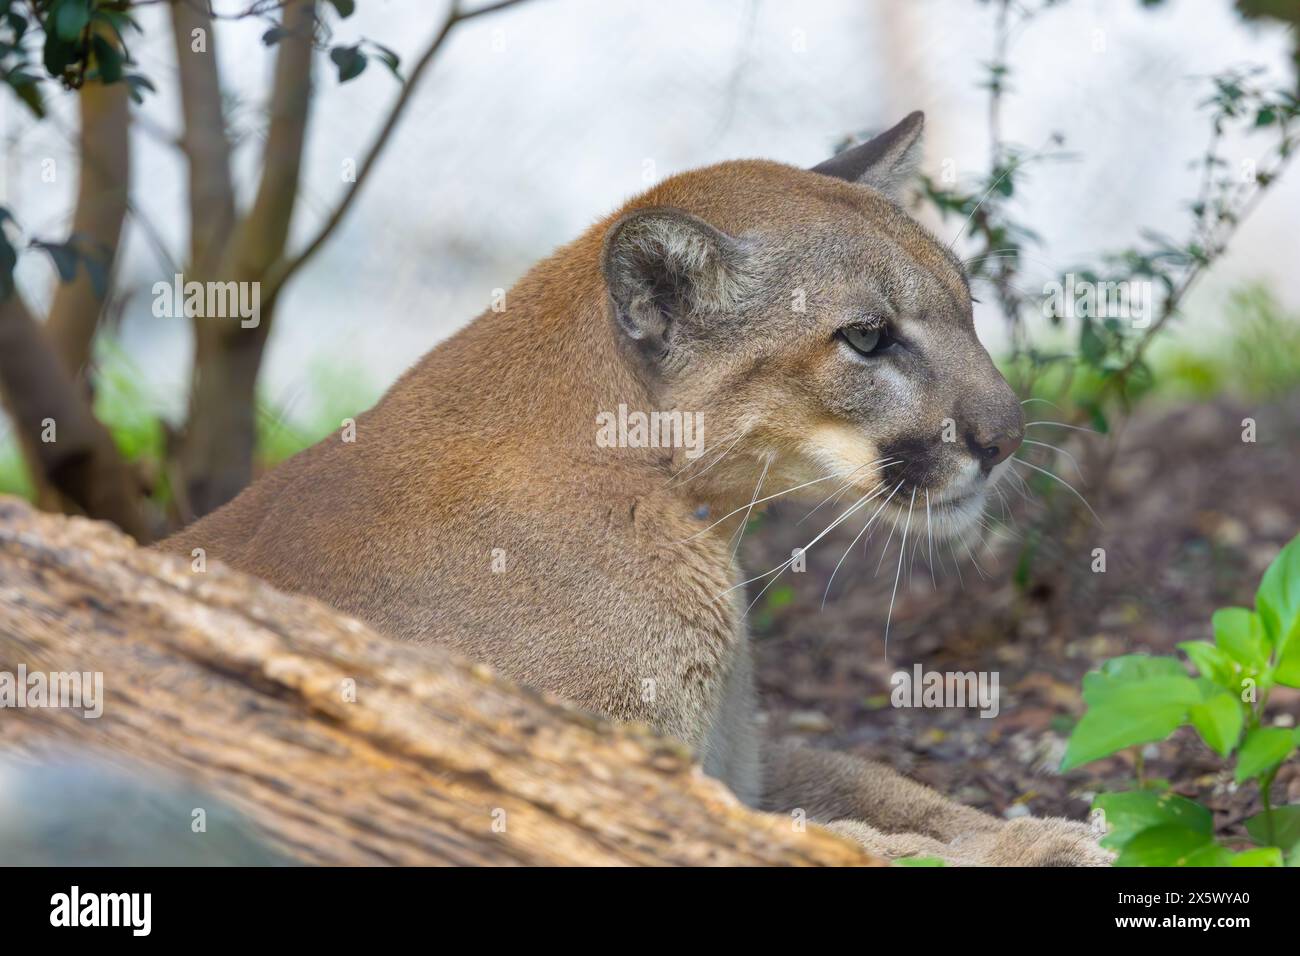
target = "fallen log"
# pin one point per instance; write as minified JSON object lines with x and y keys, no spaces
{"x":342,"y":746}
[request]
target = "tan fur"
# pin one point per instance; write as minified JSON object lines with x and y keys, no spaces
{"x":615,"y":594}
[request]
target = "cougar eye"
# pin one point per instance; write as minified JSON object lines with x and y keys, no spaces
{"x":866,"y":339}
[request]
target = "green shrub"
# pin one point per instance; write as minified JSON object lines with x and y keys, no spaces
{"x":1138,"y":699}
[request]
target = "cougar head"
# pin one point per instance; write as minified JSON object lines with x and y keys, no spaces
{"x":822,"y":333}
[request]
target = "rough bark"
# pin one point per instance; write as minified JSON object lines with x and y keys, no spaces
{"x":242,"y":690}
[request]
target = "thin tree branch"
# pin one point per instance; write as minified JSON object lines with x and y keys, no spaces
{"x":211,"y":189}
{"x":103,"y":178}
{"x":261,"y":236}
{"x":282,"y":271}
{"x":1175,"y":299}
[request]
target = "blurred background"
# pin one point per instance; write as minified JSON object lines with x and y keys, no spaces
{"x":1112,"y":139}
{"x":536,"y":120}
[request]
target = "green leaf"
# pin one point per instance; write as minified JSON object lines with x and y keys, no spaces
{"x":1124,"y":713}
{"x":25,"y":88}
{"x":388,"y":58}
{"x":1212,"y":855}
{"x":64,"y":256}
{"x":1264,"y":856}
{"x":1278,"y":597}
{"x":135,"y":84}
{"x":350,"y":61}
{"x":1211,"y":662}
{"x":58,"y":54}
{"x":70,"y":18}
{"x":1101,"y":690}
{"x":117,"y":21}
{"x":345,"y":8}
{"x":1169,"y":845}
{"x":78,"y":249}
{"x":1287,"y":670}
{"x":1126,"y":669}
{"x":1263,"y":749}
{"x":17,"y":22}
{"x":919,"y":861}
{"x":274,"y":35}
{"x":1219,"y":721}
{"x":1128,"y":814}
{"x":1097,"y":416}
{"x":108,"y":60}
{"x":780,"y":597}
{"x":1286,"y":827}
{"x":1133,"y":699}
{"x":1141,"y":666}
{"x":8,"y":259}
{"x":1239,"y":633}
{"x":1091,"y":345}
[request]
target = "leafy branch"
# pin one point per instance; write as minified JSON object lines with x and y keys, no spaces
{"x":1137,"y":699}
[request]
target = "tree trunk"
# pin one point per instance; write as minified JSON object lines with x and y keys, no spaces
{"x":79,"y":461}
{"x":104,"y":180}
{"x":216,"y":449}
{"x":42,"y":365}
{"x":204,"y":141}
{"x":342,"y":746}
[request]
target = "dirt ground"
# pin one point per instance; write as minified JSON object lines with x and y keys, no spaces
{"x":1190,"y":517}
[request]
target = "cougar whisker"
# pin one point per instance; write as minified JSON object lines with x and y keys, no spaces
{"x":849,"y":484}
{"x":902,"y":546}
{"x":727,"y":451}
{"x":740,"y":532}
{"x":1077,"y":428}
{"x":952,"y":550}
{"x":1057,"y":478}
{"x":893,"y":527}
{"x":929,"y":533}
{"x":870,"y":521}
{"x":785,"y":564}
{"x":1074,"y":461}
{"x":760,"y":501}
{"x":978,"y":569}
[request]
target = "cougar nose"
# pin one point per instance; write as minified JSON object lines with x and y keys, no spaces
{"x":994,"y":449}
{"x":994,"y":419}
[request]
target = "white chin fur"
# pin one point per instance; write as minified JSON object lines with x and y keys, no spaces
{"x":951,"y":519}
{"x":955,"y":519}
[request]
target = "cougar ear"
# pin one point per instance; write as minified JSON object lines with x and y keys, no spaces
{"x":664,"y":266}
{"x":886,"y":162}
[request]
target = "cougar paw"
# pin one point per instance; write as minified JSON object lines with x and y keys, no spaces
{"x":1036,"y":841}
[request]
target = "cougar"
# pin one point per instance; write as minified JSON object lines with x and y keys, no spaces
{"x":822,"y":339}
